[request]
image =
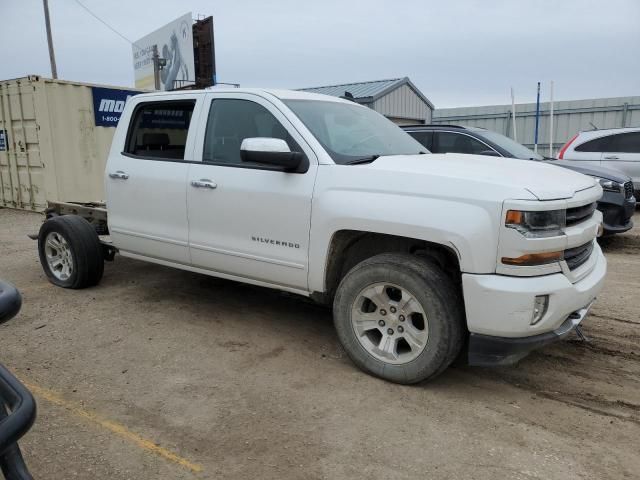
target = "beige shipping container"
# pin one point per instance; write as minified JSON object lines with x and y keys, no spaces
{"x":50,"y":146}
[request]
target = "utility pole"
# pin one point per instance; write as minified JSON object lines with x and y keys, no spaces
{"x":551,"y":135}
{"x":535,"y":138}
{"x":156,"y":68}
{"x":513,"y":115}
{"x":52,"y":56}
{"x":158,"y":64}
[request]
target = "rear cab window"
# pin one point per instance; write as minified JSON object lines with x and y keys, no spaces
{"x":159,"y":130}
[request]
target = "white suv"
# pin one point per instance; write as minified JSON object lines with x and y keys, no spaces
{"x":614,"y":148}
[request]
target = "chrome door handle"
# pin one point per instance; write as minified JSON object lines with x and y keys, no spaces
{"x":119,"y":174}
{"x":611,"y":157}
{"x":203,"y":183}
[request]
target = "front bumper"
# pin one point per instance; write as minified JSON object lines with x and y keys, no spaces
{"x":489,"y":351}
{"x":617,"y":212}
{"x":502,"y":306}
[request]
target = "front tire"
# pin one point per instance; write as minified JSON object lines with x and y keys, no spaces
{"x":70,"y":252}
{"x":399,"y":317}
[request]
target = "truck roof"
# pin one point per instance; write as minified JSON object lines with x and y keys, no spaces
{"x":279,"y":93}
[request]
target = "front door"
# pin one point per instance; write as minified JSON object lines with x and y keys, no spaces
{"x":146,"y":180}
{"x":249,"y":220}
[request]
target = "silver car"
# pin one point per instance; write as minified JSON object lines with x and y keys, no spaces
{"x":614,"y":148}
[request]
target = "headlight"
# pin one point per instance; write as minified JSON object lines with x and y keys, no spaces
{"x":537,"y":224}
{"x":610,"y":185}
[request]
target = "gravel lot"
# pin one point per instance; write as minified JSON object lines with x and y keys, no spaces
{"x":164,"y":374}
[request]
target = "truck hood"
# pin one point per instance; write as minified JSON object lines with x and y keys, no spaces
{"x":545,"y":182}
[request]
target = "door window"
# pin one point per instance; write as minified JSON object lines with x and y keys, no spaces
{"x":159,"y":130}
{"x":625,"y":143}
{"x":596,"y":145}
{"x":449,"y":142}
{"x":231,"y":121}
{"x":425,"y":138}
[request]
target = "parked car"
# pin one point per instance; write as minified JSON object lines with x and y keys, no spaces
{"x":17,"y":405}
{"x":328,"y":199}
{"x":615,"y":148}
{"x":617,"y":203}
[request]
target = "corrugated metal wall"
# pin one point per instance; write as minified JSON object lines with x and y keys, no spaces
{"x":22,"y":182}
{"x":403,"y":103}
{"x":570,"y":117}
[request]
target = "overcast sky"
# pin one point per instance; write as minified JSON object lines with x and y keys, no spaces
{"x":459,"y":53}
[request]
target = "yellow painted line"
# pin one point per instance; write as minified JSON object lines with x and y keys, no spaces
{"x":113,"y":427}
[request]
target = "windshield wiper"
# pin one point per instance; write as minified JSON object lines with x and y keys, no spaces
{"x":361,"y":160}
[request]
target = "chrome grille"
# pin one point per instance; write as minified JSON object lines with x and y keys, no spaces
{"x":576,"y":256}
{"x":628,"y":189}
{"x":579,"y":214}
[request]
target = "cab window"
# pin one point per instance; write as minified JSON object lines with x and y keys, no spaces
{"x":159,"y":130}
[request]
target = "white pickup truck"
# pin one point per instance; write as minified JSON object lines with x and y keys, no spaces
{"x":421,"y":256}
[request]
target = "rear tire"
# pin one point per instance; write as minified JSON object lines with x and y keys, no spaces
{"x":70,"y":252}
{"x":399,"y":317}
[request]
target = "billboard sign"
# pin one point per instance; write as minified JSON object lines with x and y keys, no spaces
{"x":175,"y":45}
{"x":108,"y":104}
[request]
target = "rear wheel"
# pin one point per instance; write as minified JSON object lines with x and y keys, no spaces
{"x":399,"y":317}
{"x":70,"y":252}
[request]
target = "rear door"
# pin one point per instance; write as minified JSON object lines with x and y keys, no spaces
{"x":623,"y":154}
{"x":146,"y":179}
{"x":249,"y":220}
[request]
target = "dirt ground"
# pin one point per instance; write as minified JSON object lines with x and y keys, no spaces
{"x":164,"y":374}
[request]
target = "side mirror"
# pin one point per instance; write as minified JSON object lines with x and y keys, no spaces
{"x":490,"y":153}
{"x":269,"y":151}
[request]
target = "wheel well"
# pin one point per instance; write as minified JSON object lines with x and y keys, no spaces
{"x":350,"y":247}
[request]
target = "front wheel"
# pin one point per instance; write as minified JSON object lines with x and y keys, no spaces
{"x":70,"y":252}
{"x":399,"y":317}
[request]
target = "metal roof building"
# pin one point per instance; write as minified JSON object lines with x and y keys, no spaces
{"x":397,"y":99}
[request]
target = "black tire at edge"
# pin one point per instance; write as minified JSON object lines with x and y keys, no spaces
{"x":86,"y":250}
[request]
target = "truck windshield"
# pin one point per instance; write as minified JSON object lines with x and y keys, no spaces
{"x":515,"y":149}
{"x":351,"y":132}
